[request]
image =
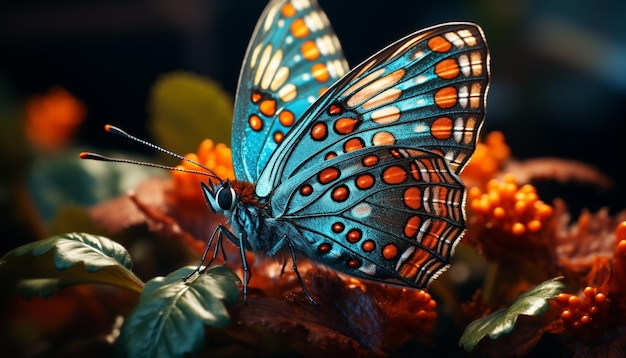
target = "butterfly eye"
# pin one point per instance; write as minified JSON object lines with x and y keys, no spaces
{"x":225,"y":197}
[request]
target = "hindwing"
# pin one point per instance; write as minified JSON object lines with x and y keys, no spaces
{"x":383,"y":213}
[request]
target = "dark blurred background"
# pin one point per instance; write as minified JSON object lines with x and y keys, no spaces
{"x":558,"y":66}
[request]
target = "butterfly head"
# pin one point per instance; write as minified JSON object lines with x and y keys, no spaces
{"x":220,"y":198}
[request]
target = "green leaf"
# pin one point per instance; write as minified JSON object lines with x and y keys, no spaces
{"x":533,"y":302}
{"x":186,"y":108}
{"x":169,"y":319}
{"x":69,"y":259}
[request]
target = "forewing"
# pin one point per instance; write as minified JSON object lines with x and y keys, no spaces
{"x":292,"y":58}
{"x":383,"y":213}
{"x":428,"y":90}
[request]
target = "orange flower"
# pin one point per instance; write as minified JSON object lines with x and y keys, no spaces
{"x":52,"y":119}
{"x":487,"y":159}
{"x":511,"y":226}
{"x":215,"y":157}
{"x":509,"y":208}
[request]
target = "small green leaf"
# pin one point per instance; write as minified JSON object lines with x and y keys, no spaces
{"x":169,"y":319}
{"x":186,"y":108}
{"x":69,"y":259}
{"x":533,"y":302}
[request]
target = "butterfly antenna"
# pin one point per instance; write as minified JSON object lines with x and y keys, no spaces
{"x":115,"y":130}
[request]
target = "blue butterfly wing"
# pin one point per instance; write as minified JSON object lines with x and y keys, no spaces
{"x":427,"y":90}
{"x":384,"y":213}
{"x":292,"y":58}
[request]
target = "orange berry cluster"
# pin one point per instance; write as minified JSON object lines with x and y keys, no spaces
{"x":584,"y":315}
{"x":487,"y":158}
{"x":510,"y":208}
{"x":215,"y":157}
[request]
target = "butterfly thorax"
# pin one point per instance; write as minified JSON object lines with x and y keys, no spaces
{"x":246,"y":214}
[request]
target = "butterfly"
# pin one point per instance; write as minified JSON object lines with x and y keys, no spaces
{"x":355,"y":169}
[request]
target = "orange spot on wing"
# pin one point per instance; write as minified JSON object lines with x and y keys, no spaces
{"x":327,"y":175}
{"x":255,"y":122}
{"x":306,"y":190}
{"x":394,"y":175}
{"x":415,"y":172}
{"x":354,"y":235}
{"x":370,"y":160}
{"x":353,"y":144}
{"x":442,"y":128}
{"x":413,"y":198}
{"x":412,"y":226}
{"x":286,"y":118}
{"x":368,"y":246}
{"x":447,"y":69}
{"x":365,"y":181}
{"x":288,"y":10}
{"x":278,"y":137}
{"x":345,"y":125}
{"x":324,"y":248}
{"x":340,"y":193}
{"x":319,"y":131}
{"x":390,"y":251}
{"x":446,"y":97}
{"x":309,"y":50}
{"x":268,"y":107}
{"x":334,"y":109}
{"x":354,"y":263}
{"x":255,"y":97}
{"x":338,"y":227}
{"x":439,"y":44}
{"x":299,"y":29}
{"x":320,"y":72}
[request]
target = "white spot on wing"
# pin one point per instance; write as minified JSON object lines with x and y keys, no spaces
{"x":468,"y":37}
{"x":288,"y":92}
{"x":420,"y":79}
{"x":368,"y":268}
{"x":463,"y":96}
{"x":454,"y":39}
{"x":361,"y":211}
{"x":459,"y":128}
{"x":421,"y":128}
{"x":464,"y":64}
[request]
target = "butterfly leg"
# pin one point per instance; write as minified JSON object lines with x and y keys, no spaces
{"x":247,"y":274}
{"x":295,"y":269}
{"x":217,"y":233}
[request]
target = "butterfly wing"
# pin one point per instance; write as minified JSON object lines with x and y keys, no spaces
{"x":292,"y":58}
{"x":427,"y":90}
{"x":385,"y":213}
